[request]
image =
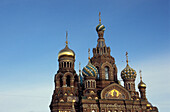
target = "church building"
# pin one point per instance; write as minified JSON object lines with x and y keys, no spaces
{"x":96,"y":87}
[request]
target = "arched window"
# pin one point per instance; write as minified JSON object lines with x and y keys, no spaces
{"x":98,"y":76}
{"x":97,"y":50}
{"x":68,"y":81}
{"x":94,"y":84}
{"x":61,"y":81}
{"x":129,"y":85}
{"x":106,"y":73}
{"x":88,"y":83}
{"x":64,"y":64}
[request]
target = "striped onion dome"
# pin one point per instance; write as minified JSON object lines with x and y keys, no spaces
{"x":100,"y":27}
{"x":128,"y":73}
{"x":89,"y":70}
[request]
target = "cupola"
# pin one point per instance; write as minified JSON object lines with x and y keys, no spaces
{"x":89,"y":69}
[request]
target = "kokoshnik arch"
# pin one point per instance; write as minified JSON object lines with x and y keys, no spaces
{"x":96,"y":88}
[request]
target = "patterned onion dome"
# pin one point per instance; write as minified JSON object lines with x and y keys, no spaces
{"x":89,"y":70}
{"x":128,"y":73}
{"x":100,"y":27}
{"x":66,"y":52}
{"x":141,"y":84}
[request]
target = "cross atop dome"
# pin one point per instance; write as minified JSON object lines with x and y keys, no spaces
{"x":127,"y":58}
{"x":66,"y":38}
{"x":100,"y":27}
{"x":99,"y":17}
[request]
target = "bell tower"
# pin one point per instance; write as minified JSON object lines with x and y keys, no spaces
{"x":103,"y":61}
{"x":65,"y":95}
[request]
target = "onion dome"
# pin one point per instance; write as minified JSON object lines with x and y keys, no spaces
{"x":128,"y":72}
{"x":100,"y":27}
{"x":89,"y":69}
{"x":141,"y":84}
{"x":66,"y":52}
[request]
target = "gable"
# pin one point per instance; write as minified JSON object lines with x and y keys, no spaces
{"x":115,"y":91}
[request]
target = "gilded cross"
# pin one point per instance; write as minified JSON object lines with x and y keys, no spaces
{"x":66,"y":38}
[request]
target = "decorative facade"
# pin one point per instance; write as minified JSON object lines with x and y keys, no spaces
{"x":96,"y":88}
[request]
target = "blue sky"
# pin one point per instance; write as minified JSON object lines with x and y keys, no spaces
{"x":32,"y":32}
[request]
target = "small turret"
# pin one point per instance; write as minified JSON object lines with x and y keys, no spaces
{"x":142,"y":87}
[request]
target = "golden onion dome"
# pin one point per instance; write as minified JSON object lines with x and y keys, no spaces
{"x":141,"y":84}
{"x":66,"y":52}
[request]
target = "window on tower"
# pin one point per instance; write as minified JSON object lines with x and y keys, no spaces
{"x":106,"y":73}
{"x":61,"y":81}
{"x":68,"y":81}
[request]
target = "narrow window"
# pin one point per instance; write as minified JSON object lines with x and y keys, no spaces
{"x":129,"y":86}
{"x":93,"y":84}
{"x":88,"y":83}
{"x":106,"y":73}
{"x":61,"y":81}
{"x":68,"y":81}
{"x":97,"y":50}
{"x":64,"y":64}
{"x":104,"y":50}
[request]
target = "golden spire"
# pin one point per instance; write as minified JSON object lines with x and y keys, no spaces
{"x":140,"y":72}
{"x":89,"y":54}
{"x":127,"y":57}
{"x":99,"y":17}
{"x":66,"y":38}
